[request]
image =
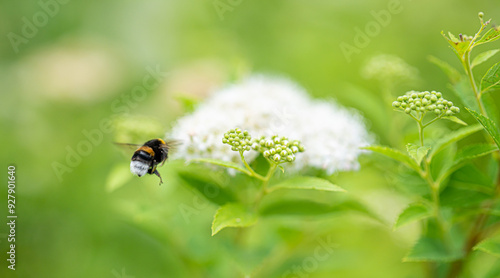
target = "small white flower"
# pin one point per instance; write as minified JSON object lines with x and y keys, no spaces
{"x":332,"y":135}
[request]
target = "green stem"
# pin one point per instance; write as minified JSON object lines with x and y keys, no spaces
{"x":420,"y":130}
{"x":263,"y":190}
{"x":477,"y":94}
{"x":433,"y":120}
{"x":253,"y":173}
{"x":434,"y":187}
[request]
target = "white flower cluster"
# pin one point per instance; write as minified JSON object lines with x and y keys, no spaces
{"x":332,"y":135}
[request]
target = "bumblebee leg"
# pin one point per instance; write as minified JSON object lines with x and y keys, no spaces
{"x":158,"y":174}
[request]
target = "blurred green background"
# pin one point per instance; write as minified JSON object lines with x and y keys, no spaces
{"x":66,"y":68}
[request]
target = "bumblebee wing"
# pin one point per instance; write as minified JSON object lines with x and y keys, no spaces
{"x":169,"y":146}
{"x":128,"y":145}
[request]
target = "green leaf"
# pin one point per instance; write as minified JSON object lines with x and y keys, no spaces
{"x":474,"y":151}
{"x":467,"y":153}
{"x":302,"y":182}
{"x":453,"y":137}
{"x":483,"y":57}
{"x":490,"y":107}
{"x":452,"y":73}
{"x":396,"y":155}
{"x":460,"y":47}
{"x":492,"y":35}
{"x":464,"y":92}
{"x":313,"y":208}
{"x":413,"y":212}
{"x":490,"y":245}
{"x":431,"y":249}
{"x":232,"y":215}
{"x":491,"y":80}
{"x":207,"y":183}
{"x":488,"y":124}
{"x":454,"y":119}
{"x":416,"y":152}
{"x":223,"y":163}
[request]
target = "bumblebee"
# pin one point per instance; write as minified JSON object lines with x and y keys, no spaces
{"x":147,"y":157}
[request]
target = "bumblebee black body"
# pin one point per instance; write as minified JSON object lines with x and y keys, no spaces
{"x":147,"y":157}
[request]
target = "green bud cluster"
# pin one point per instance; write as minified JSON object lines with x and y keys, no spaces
{"x":278,"y":149}
{"x":239,"y":140}
{"x":423,"y":102}
{"x":275,"y":148}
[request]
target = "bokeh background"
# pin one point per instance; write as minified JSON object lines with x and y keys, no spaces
{"x":68,"y":68}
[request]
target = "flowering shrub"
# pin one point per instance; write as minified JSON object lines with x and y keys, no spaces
{"x":273,"y":121}
{"x":456,"y":219}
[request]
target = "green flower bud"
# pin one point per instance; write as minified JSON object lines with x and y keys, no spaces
{"x":437,"y":111}
{"x":413,"y":107}
{"x":438,"y":94}
{"x":449,"y":113}
{"x":449,"y":104}
{"x":400,"y":99}
{"x":276,"y":140}
{"x":285,"y":143}
{"x":414,"y":95}
{"x":427,"y":96}
{"x":269,"y":143}
{"x":294,"y":149}
{"x":425,"y":101}
{"x":272,"y":150}
{"x":440,"y":106}
{"x":290,"y":158}
{"x":418,"y":103}
{"x":267,"y":153}
{"x":279,"y":149}
{"x":455,"y":109}
{"x":302,"y":149}
{"x":434,"y":98}
{"x":408,"y":110}
{"x":404,"y":105}
{"x":277,"y":158}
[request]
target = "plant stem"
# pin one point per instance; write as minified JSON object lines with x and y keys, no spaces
{"x":263,"y":191}
{"x":254,"y":174}
{"x":476,"y":234}
{"x":420,"y":129}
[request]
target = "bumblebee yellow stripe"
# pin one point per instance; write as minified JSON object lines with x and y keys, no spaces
{"x":147,"y":149}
